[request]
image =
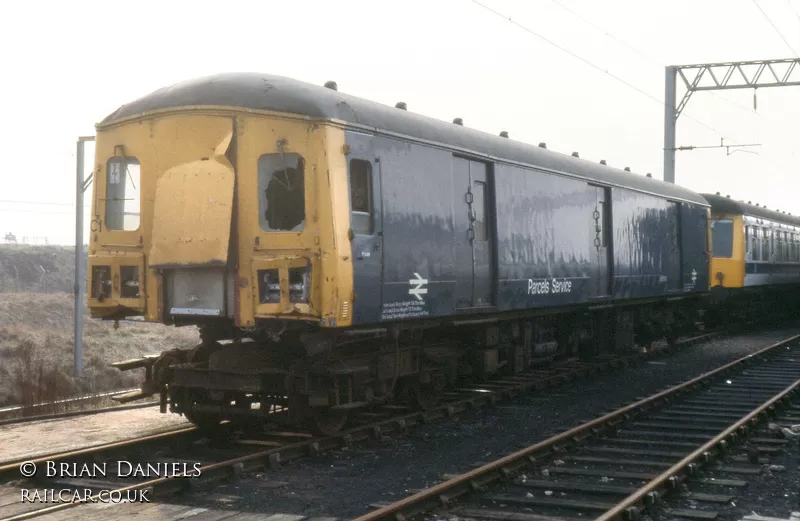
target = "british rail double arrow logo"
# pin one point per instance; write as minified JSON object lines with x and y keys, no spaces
{"x":419,"y":290}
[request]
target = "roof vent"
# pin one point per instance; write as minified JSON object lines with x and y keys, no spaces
{"x":749,"y":202}
{"x":627,"y":169}
{"x":504,"y":134}
{"x":542,"y":145}
{"x":728,"y":196}
{"x":717,"y":193}
{"x":459,"y":121}
{"x":331,"y":85}
{"x":401,"y":105}
{"x":603,"y":162}
{"x":649,"y":174}
{"x":575,"y":154}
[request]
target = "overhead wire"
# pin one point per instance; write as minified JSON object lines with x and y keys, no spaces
{"x":591,"y":64}
{"x":775,"y":28}
{"x":647,"y":58}
{"x":621,"y":80}
{"x":794,"y":11}
{"x":658,"y":63}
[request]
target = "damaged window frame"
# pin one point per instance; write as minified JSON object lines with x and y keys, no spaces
{"x":295,"y":205}
{"x":118,"y":208}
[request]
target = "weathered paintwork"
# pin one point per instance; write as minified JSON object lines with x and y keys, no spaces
{"x":555,"y":240}
{"x":464,"y":222}
{"x":646,"y":245}
{"x":546,"y":231}
{"x":192,"y":212}
{"x":199,"y":171}
{"x":695,"y":247}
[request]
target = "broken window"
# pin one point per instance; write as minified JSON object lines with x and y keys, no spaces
{"x":281,"y":187}
{"x":361,"y":196}
{"x":123,"y":203}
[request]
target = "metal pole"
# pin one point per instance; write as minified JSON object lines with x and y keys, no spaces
{"x":79,"y":263}
{"x":670,"y":118}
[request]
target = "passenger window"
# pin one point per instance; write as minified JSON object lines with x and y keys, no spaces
{"x":123,"y":202}
{"x":785,"y":246}
{"x":765,"y":244}
{"x":756,"y":243}
{"x":281,"y":188}
{"x":361,"y":196}
{"x":722,"y":238}
{"x":479,"y":207}
{"x":747,"y":239}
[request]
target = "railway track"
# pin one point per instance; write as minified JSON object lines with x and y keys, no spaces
{"x":225,"y":455}
{"x":627,"y":462}
{"x":39,"y":411}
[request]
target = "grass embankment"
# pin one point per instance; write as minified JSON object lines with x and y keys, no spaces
{"x":36,"y":349}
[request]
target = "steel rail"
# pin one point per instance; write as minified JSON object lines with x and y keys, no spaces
{"x":672,"y":476}
{"x":274,"y":456}
{"x":74,"y":399}
{"x":475,"y":479}
{"x":72,"y":414}
{"x":11,"y":465}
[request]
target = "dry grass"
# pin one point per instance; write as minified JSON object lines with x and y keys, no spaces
{"x":36,"y":348}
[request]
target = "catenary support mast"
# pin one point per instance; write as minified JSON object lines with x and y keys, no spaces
{"x":722,"y":76}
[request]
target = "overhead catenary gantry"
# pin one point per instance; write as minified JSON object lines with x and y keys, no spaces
{"x":723,"y":76}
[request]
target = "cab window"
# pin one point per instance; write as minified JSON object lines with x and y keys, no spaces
{"x":123,"y":203}
{"x":722,"y":238}
{"x":281,"y":189}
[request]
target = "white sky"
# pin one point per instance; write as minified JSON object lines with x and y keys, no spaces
{"x":66,"y":65}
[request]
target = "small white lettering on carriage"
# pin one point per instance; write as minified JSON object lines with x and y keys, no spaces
{"x":562,"y":286}
{"x":545,"y":287}
{"x":541,"y":287}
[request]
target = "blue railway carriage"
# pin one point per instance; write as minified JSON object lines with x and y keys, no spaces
{"x":336,"y":252}
{"x":755,"y":262}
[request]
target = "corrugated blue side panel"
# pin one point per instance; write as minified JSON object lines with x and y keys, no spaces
{"x":418,"y":244}
{"x":545,"y":234}
{"x":646,"y":247}
{"x":694,"y":226}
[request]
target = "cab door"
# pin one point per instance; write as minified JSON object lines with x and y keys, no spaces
{"x":366,"y":232}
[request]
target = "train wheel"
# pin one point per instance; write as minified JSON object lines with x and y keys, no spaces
{"x":329,"y":422}
{"x":426,"y":396}
{"x":204,"y":422}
